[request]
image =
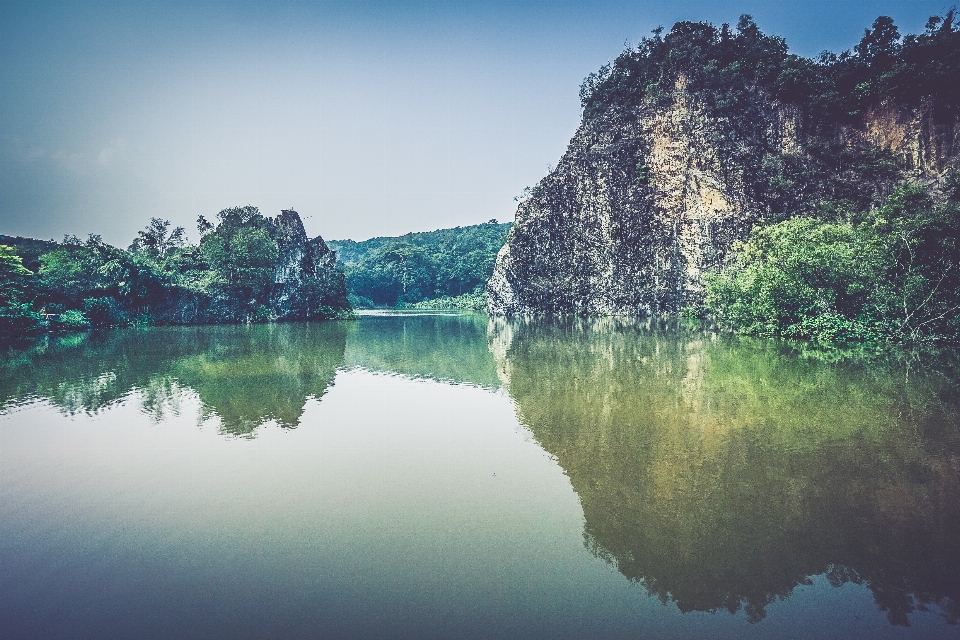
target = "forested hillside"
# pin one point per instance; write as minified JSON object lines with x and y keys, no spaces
{"x":447,"y":267}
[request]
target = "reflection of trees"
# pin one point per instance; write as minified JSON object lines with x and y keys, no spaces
{"x":722,"y":474}
{"x":445,"y":347}
{"x":263,"y":373}
{"x":246,"y":375}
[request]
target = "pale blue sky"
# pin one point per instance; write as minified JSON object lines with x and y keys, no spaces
{"x":370,"y":118}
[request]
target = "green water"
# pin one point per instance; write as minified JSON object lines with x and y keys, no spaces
{"x":449,"y":476}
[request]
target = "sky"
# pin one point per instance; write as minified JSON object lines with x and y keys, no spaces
{"x":370,"y":118}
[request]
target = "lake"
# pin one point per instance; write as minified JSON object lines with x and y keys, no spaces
{"x":450,"y":476}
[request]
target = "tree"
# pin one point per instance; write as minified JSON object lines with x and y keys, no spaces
{"x":16,"y":281}
{"x":17,"y":287}
{"x":125,"y":284}
{"x":881,"y":46}
{"x":76,"y":270}
{"x":156,"y":241}
{"x":918,"y":292}
{"x":243,"y":254}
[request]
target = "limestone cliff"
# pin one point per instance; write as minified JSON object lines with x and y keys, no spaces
{"x":305,"y":277}
{"x":675,"y":161}
{"x":282,"y":275}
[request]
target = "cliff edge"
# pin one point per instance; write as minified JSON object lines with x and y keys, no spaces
{"x":690,"y":139}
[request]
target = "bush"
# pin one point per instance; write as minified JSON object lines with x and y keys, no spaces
{"x":72,"y":319}
{"x":894,"y":276}
{"x":263,"y":313}
{"x":360,"y":302}
{"x":476,"y":301}
{"x":327,"y":312}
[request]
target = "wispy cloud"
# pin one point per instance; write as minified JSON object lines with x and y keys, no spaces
{"x":108,"y":153}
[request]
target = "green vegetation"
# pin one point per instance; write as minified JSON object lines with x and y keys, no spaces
{"x":892,"y":276}
{"x":229,"y":276}
{"x":17,"y":288}
{"x":834,"y":88}
{"x":735,"y":72}
{"x":845,"y":251}
{"x":447,"y":268}
{"x":721,"y":472}
{"x":474,"y":301}
{"x":162,"y":279}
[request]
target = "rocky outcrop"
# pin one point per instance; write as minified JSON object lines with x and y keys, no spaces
{"x":305,"y":277}
{"x":652,"y":194}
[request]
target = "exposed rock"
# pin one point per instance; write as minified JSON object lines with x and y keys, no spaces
{"x":650,"y":196}
{"x":305,"y":277}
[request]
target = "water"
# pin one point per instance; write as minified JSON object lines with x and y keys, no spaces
{"x":444,"y":476}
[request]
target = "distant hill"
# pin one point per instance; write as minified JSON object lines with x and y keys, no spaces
{"x":416,"y":267}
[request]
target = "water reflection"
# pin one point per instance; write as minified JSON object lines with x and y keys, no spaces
{"x":721,"y":474}
{"x":718,"y":473}
{"x":442,"y":347}
{"x":245,"y":375}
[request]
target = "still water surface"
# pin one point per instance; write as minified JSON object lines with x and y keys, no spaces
{"x":417,"y":476}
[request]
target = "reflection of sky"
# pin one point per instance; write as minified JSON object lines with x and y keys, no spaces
{"x":370,"y":118}
{"x":380,"y":516}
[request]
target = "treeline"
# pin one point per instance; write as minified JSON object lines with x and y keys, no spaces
{"x":446,"y":268}
{"x":229,"y":276}
{"x":832,"y":88}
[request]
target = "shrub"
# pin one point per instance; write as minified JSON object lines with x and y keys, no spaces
{"x":894,"y":276}
{"x":105,"y":312}
{"x":72,"y":319}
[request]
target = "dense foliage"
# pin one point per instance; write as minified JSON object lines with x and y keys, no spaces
{"x":893,"y":276}
{"x":447,"y":268}
{"x":735,"y":63}
{"x":737,"y":72}
{"x":17,"y":288}
{"x":159,"y":279}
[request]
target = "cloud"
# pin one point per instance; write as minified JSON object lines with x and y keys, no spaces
{"x":107,"y":153}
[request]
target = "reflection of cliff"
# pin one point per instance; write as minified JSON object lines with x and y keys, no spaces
{"x":264,"y":373}
{"x":246,"y":375}
{"x":723,"y":474}
{"x":444,"y":347}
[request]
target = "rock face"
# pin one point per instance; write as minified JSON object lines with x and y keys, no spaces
{"x":651,"y":194}
{"x":305,"y":277}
